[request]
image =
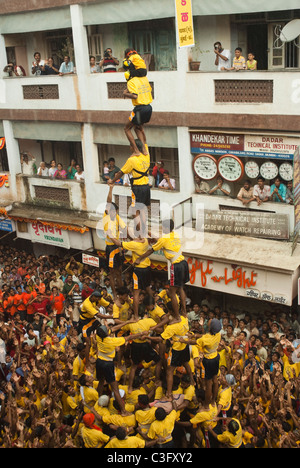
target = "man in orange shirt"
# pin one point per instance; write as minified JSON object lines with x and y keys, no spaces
{"x":19,"y":303}
{"x":57,"y":300}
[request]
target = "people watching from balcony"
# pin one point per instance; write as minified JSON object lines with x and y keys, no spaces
{"x":43,"y":170}
{"x":251,"y":62}
{"x":289,"y":193}
{"x":223,"y":56}
{"x":261,"y":191}
{"x":94,"y":67}
{"x":71,"y":169}
{"x":28,"y":163}
{"x":60,"y":172}
{"x":200,"y":185}
{"x":52,"y":168}
{"x":158,"y":172}
{"x":238,"y":62}
{"x":167,"y":183}
{"x":108,"y":63}
{"x":14,"y":70}
{"x":50,"y":67}
{"x":79,"y":174}
{"x":221,"y":188}
{"x":112,"y":170}
{"x":38,"y":65}
{"x":67,"y":67}
{"x":278,"y":191}
{"x":245,"y":194}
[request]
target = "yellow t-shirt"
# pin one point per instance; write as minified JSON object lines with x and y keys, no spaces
{"x":145,"y":418}
{"x":175,"y":331}
{"x":141,"y":87}
{"x":171,"y":246}
{"x":138,"y":248}
{"x":92,"y":438}
{"x":106,"y":348}
{"x":121,"y":311}
{"x":234,"y":441}
{"x":164,"y":428}
{"x":208,"y":345}
{"x":205,"y":418}
{"x":224,"y":398}
{"x":119,"y":420}
{"x":164,"y":296}
{"x":137,"y":61}
{"x":88,"y":308}
{"x":139,"y":163}
{"x":156,"y":313}
{"x":112,"y":227}
{"x":129,"y":442}
{"x":139,"y":327}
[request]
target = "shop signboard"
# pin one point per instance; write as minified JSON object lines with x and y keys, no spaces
{"x":255,"y":146}
{"x":251,"y":224}
{"x":246,"y":281}
{"x":49,"y":235}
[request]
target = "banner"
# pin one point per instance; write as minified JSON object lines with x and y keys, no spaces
{"x":256,"y":146}
{"x":184,"y":21}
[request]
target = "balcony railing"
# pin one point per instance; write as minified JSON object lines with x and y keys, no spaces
{"x":277,"y":92}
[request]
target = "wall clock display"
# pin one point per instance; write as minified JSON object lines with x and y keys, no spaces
{"x":286,"y":171}
{"x":205,"y":166}
{"x":251,"y":169}
{"x":230,"y":167}
{"x":269,"y":170}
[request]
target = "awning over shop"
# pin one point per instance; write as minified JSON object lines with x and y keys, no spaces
{"x":68,"y":220}
{"x":257,"y":268}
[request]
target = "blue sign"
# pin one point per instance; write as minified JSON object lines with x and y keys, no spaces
{"x":6,"y":225}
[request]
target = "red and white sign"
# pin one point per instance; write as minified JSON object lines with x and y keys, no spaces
{"x":90,"y":260}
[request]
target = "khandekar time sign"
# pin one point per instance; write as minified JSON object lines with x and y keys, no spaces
{"x":257,"y":146}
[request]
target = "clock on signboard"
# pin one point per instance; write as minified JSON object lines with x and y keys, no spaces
{"x":269,"y":170}
{"x":230,"y":167}
{"x":251,"y":169}
{"x":286,"y":171}
{"x":205,"y":166}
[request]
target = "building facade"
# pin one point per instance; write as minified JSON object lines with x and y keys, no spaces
{"x":243,"y":252}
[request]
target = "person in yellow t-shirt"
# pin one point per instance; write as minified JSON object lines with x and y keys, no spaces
{"x":92,"y":435}
{"x":179,"y":354}
{"x":208,"y":345}
{"x":163,"y":427}
{"x":141,"y":273}
{"x":134,"y":64}
{"x":224,"y":397}
{"x":89,"y":314}
{"x":144,"y":415}
{"x":140,"y":92}
{"x":141,"y":350}
{"x":122,"y":440}
{"x":138,"y":165}
{"x":179,"y":270}
{"x":106,"y":352}
{"x":232,"y":437}
{"x":114,"y":227}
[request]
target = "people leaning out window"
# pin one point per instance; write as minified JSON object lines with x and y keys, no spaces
{"x":245,"y":194}
{"x":167,"y":183}
{"x":201,"y":186}
{"x":221,"y":188}
{"x":278,"y":191}
{"x":261,"y":191}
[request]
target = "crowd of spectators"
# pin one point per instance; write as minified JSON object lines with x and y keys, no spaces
{"x":49,"y":390}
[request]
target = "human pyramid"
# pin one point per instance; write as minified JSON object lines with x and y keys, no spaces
{"x":134,"y":369}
